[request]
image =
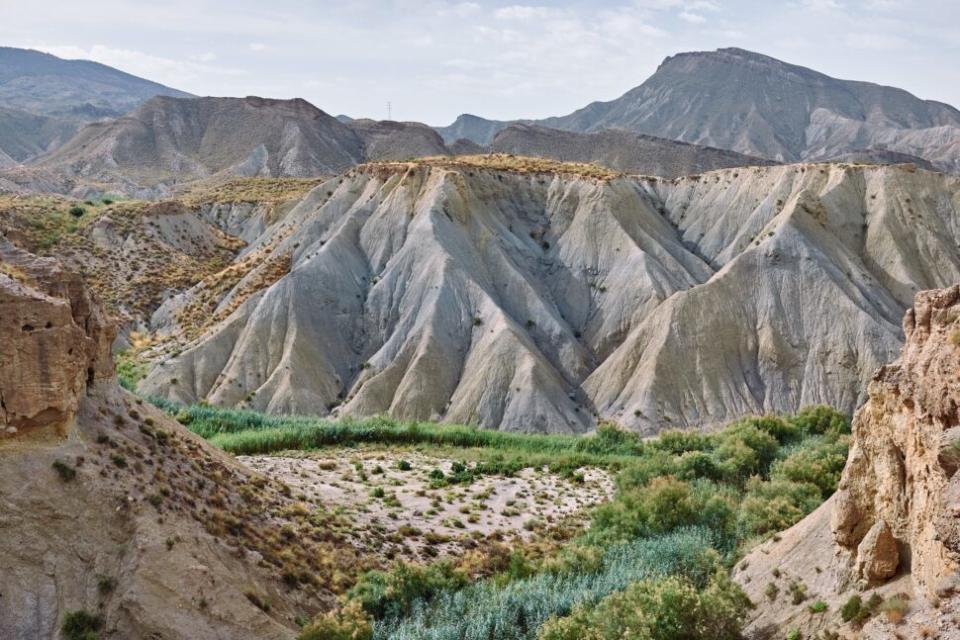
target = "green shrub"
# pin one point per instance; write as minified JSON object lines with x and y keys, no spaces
{"x":64,"y":470}
{"x":771,"y":591}
{"x":106,"y":585}
{"x":130,"y":370}
{"x":670,"y":608}
{"x":818,"y":461}
{"x":77,"y":211}
{"x":773,"y":506}
{"x":678,"y":442}
{"x":821,"y":420}
{"x":665,"y":504}
{"x":818,"y":607}
{"x":348,"y":623}
{"x":81,"y":625}
{"x":851,"y":608}
{"x":744,"y":450}
{"x":392,"y":594}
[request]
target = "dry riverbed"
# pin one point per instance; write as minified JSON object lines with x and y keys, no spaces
{"x":387,"y":502}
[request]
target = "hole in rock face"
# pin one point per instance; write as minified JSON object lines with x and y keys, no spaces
{"x":28,"y":327}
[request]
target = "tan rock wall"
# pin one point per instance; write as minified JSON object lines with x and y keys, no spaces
{"x":53,"y":343}
{"x":896,"y":507}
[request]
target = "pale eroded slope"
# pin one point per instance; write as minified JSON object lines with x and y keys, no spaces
{"x":544,"y":300}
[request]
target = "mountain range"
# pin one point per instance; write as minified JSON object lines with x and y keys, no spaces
{"x":699,"y":112}
{"x":44,"y":99}
{"x":757,"y":105}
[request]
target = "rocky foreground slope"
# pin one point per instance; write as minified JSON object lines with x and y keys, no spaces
{"x":893,"y":527}
{"x":111,"y":509}
{"x":524,"y":295}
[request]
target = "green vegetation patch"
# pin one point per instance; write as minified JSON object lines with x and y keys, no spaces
{"x":686,"y":504}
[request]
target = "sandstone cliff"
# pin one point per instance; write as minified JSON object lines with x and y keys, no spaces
{"x":893,"y":527}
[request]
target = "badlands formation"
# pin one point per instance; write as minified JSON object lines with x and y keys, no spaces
{"x":527,"y":295}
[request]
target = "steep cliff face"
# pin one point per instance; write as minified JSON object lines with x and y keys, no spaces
{"x":897,"y":505}
{"x":55,"y":343}
{"x":110,"y":508}
{"x":893,"y":526}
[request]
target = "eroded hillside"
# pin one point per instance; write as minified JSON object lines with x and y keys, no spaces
{"x":539,"y":296}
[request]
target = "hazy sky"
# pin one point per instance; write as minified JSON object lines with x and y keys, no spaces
{"x":434,"y":59}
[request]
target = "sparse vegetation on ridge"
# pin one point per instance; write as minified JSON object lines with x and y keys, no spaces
{"x":504,"y":162}
{"x":259,"y":190}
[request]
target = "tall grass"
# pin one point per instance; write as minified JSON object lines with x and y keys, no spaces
{"x":249,"y":433}
{"x":517,"y":610}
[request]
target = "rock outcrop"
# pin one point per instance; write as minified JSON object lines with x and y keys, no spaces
{"x":893,"y":526}
{"x":55,"y":343}
{"x":896,"y":500}
{"x":526,"y":295}
{"x":110,"y":508}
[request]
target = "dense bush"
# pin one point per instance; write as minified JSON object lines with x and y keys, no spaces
{"x":347,"y":623}
{"x":773,"y":506}
{"x":819,"y":461}
{"x":671,"y":608}
{"x":663,"y":505}
{"x":516,"y":610}
{"x":81,"y":625}
{"x":646,"y":568}
{"x":392,"y":594}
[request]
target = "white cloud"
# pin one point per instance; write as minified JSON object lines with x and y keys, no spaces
{"x":258,"y":46}
{"x":689,"y":16}
{"x":875,"y":41}
{"x":167,"y":71}
{"x":521,"y":12}
{"x":822,"y":5}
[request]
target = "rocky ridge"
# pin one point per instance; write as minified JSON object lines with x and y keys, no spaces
{"x":619,"y":150}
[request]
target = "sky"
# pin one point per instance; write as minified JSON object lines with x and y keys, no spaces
{"x":434,"y":59}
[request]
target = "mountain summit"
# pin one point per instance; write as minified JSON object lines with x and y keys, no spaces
{"x":757,"y":105}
